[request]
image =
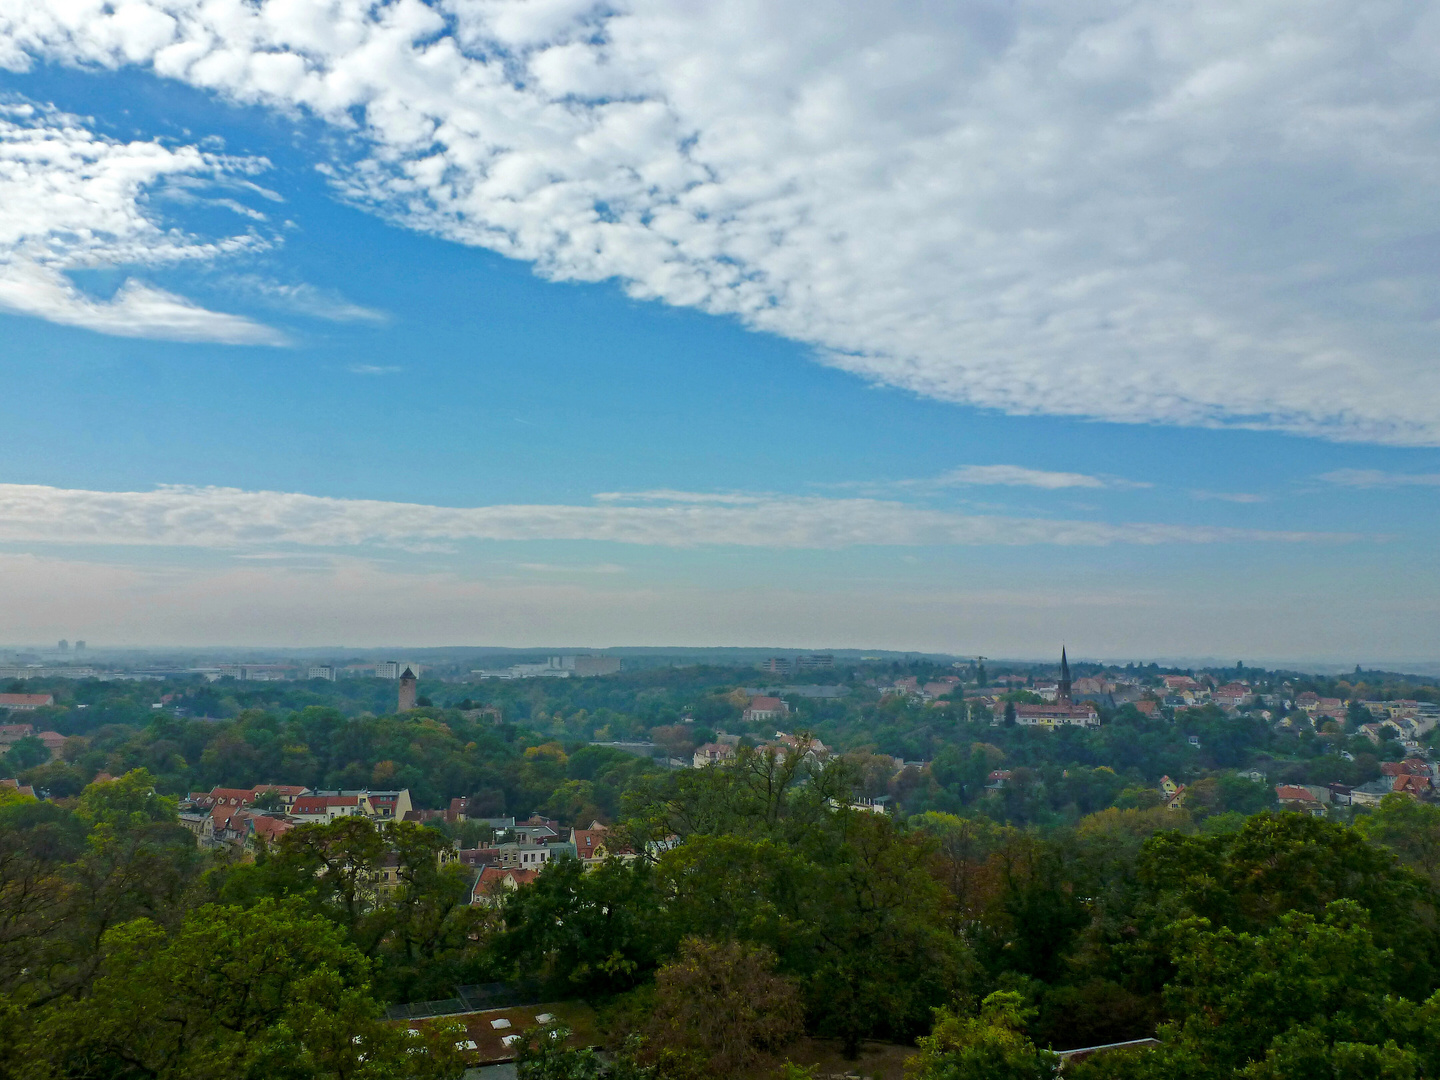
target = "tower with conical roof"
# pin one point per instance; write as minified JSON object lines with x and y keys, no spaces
{"x":1062,"y":692}
{"x":407,"y":690}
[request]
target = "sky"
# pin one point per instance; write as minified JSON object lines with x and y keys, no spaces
{"x":973,"y":327}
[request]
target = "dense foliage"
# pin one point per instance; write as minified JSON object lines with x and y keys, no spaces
{"x":1065,"y":908}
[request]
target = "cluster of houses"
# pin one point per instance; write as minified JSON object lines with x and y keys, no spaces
{"x":10,"y":734}
{"x":238,"y":816}
{"x":242,"y":818}
{"x":1414,"y":777}
{"x":726,"y":748}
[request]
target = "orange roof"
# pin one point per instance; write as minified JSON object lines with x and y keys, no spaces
{"x":270,"y":827}
{"x":772,"y":703}
{"x":26,"y":700}
{"x":317,"y":804}
{"x":588,"y":841}
{"x":1284,"y":792}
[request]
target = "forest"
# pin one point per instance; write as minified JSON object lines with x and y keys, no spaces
{"x":1273,"y":945}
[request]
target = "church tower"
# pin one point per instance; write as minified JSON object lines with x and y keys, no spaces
{"x":407,"y":690}
{"x":1062,"y":692}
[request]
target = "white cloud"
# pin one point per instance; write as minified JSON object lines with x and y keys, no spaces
{"x":1372,"y":478}
{"x":305,"y":299}
{"x":136,"y":310}
{"x":375,"y":369}
{"x":70,"y":200}
{"x":1192,"y":212}
{"x":1014,"y":476}
{"x":1242,"y":497}
{"x":669,"y":495}
{"x":230,"y":518}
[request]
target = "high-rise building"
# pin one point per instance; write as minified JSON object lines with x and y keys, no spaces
{"x":407,"y":691}
{"x":387,"y":669}
{"x":79,"y":646}
{"x":321,"y":671}
{"x":63,"y":646}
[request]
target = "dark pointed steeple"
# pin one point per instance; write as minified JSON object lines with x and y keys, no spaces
{"x":1062,"y":692}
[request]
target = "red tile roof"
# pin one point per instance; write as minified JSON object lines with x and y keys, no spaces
{"x":26,"y":701}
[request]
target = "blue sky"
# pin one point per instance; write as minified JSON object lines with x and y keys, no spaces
{"x":615,"y":362}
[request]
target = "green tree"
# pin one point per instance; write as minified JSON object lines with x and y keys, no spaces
{"x":723,"y":1002}
{"x":24,"y":754}
{"x":1408,"y":828}
{"x":989,"y":1046}
{"x":272,"y":990}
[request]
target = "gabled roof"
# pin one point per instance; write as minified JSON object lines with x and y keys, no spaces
{"x":1288,"y":792}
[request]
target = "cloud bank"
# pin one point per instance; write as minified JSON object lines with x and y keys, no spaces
{"x":1192,"y":212}
{"x":71,"y":200}
{"x":228,"y":518}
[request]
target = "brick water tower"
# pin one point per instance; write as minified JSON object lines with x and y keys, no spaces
{"x":407,"y":690}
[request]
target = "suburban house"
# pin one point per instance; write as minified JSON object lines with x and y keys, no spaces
{"x":997,"y":779}
{"x":1233,"y":695}
{"x":1300,"y":799}
{"x":714,"y":754}
{"x":323,"y":809}
{"x":378,"y":806}
{"x":494,"y":882}
{"x":1172,"y":794}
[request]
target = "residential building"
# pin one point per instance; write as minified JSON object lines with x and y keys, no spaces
{"x":10,"y":734}
{"x":323,"y":809}
{"x":321,"y":671}
{"x":1233,"y":695}
{"x":1299,"y":799}
{"x":809,"y":746}
{"x":784,"y":665}
{"x":26,"y":702}
{"x":557,"y":667}
{"x":53,"y":741}
{"x":1053,"y":716}
{"x":714,"y":754}
{"x":1172,"y":794}
{"x":764,"y":709}
{"x":15,"y":785}
{"x":494,"y":882}
{"x":1370,"y":794}
{"x":946,"y":684}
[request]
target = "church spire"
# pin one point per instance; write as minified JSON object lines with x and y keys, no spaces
{"x":1062,"y":692}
